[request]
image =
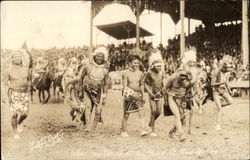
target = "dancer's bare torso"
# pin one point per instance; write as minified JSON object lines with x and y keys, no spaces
{"x":133,"y":79}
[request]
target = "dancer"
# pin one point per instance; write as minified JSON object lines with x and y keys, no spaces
{"x":221,"y":89}
{"x":17,"y":80}
{"x":154,"y":85}
{"x":133,"y":89}
{"x":177,"y":87}
{"x":72,"y":91}
{"x":95,"y":85}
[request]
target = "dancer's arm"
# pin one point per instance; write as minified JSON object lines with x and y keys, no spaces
{"x":214,"y":78}
{"x":124,"y":81}
{"x":6,"y":81}
{"x":147,"y":86}
{"x":168,"y":82}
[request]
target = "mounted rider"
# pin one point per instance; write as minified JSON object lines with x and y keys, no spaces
{"x":39,"y":69}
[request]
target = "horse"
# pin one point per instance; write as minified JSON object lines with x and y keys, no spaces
{"x":57,"y":87}
{"x":43,"y":84}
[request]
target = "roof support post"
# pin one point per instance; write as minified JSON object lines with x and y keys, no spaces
{"x":245,"y":40}
{"x":91,"y":28}
{"x":188,"y":31}
{"x":137,"y":25}
{"x":161,"y":27}
{"x":182,"y":15}
{"x":127,"y":30}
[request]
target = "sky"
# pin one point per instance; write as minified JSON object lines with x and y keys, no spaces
{"x":44,"y":24}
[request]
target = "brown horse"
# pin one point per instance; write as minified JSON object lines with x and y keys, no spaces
{"x":57,"y":88}
{"x":43,"y":84}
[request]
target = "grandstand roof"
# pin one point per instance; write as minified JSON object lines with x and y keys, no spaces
{"x":205,"y":10}
{"x":123,"y":30}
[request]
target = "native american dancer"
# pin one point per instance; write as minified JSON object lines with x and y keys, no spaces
{"x":72,"y":91}
{"x":39,"y":69}
{"x":221,"y":88}
{"x":154,"y":85}
{"x":180,"y":90}
{"x":203,"y":90}
{"x":17,"y":80}
{"x":95,"y":85}
{"x":133,"y":89}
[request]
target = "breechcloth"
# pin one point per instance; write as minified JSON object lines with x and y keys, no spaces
{"x":19,"y":101}
{"x":133,"y":101}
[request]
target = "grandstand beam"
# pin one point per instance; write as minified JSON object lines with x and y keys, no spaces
{"x":91,"y":28}
{"x":188,"y":26}
{"x":245,"y":40}
{"x":182,"y":15}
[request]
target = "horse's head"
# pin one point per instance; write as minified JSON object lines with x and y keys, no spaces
{"x":50,"y":75}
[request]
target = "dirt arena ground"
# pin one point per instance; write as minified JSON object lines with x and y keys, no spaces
{"x":65,"y":141}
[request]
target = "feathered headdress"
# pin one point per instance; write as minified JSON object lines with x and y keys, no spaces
{"x":26,"y":60}
{"x":226,"y":59}
{"x":189,"y":55}
{"x":155,"y":59}
{"x":102,"y":50}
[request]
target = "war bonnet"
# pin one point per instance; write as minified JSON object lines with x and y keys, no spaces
{"x":155,"y":59}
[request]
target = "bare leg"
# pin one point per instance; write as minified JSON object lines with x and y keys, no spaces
{"x":124,"y":121}
{"x":217,"y":101}
{"x":14,"y":124}
{"x":22,"y":118}
{"x":88,"y":111}
{"x":190,"y":120}
{"x":228,"y":98}
{"x":142,"y":122}
{"x":175,"y":109}
{"x":98,"y":111}
{"x":153,"y":113}
{"x":155,"y":107}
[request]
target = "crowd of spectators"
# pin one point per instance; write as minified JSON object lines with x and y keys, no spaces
{"x":118,"y":55}
{"x":211,"y":45}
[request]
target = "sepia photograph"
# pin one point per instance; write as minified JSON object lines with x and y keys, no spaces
{"x":125,"y":80}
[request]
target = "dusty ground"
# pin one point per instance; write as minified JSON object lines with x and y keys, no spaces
{"x":105,"y":143}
